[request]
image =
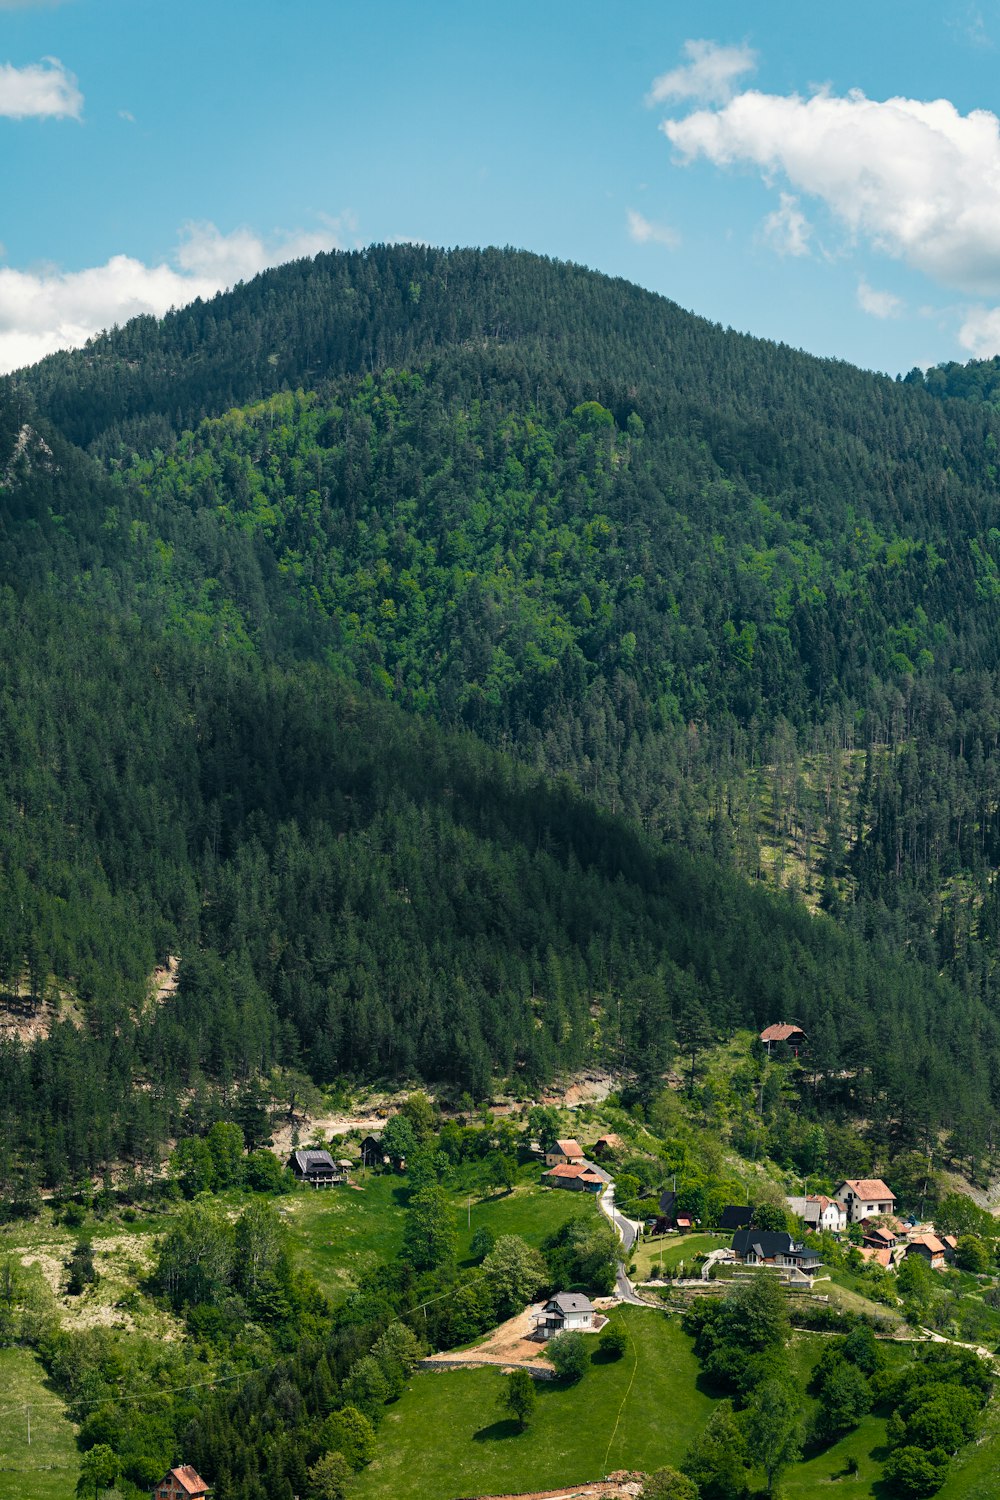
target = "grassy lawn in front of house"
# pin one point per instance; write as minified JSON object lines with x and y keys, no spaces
{"x":674,"y":1248}
{"x":447,"y":1437}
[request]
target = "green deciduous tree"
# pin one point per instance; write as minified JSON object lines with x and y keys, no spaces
{"x":717,"y":1460}
{"x":514,"y":1271}
{"x":568,"y":1354}
{"x":100,"y":1467}
{"x":329,"y":1477}
{"x":613,"y":1342}
{"x":669,"y":1484}
{"x":773,"y":1420}
{"x":429,"y":1234}
{"x":518,"y":1396}
{"x":349,"y":1432}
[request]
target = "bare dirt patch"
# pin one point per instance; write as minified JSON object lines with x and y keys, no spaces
{"x":163,"y":982}
{"x":329,"y":1126}
{"x":622,"y":1483}
{"x":20,"y":1017}
{"x":510,"y":1344}
{"x":591,"y":1087}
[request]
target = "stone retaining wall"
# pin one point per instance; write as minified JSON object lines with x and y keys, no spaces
{"x":468,"y":1361}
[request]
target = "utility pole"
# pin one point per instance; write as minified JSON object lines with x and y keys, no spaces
{"x":27,"y":1413}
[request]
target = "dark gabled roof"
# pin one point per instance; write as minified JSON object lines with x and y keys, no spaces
{"x":668,"y":1203}
{"x":313,"y":1161}
{"x":570,"y":1302}
{"x":735,"y":1216}
{"x":766,"y":1242}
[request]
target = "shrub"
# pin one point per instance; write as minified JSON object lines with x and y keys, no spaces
{"x":613,"y":1342}
{"x":568,"y":1355}
{"x":668,"y":1484}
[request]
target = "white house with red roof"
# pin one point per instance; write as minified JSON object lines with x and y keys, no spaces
{"x":865,"y":1198}
{"x":820,"y":1212}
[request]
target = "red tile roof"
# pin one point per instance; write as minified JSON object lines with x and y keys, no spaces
{"x":780,"y":1032}
{"x":873,"y":1189}
{"x":574,"y":1169}
{"x":569,"y":1148}
{"x":930,"y":1242}
{"x":881,"y":1256}
{"x":189,"y":1480}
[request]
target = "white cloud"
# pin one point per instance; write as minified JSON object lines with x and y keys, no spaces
{"x":878,"y":304}
{"x":919,"y":180}
{"x":709,"y":74}
{"x":41,"y":90}
{"x":645,"y":232}
{"x":787,"y":230}
{"x":48,"y":309}
{"x":980,"y":332}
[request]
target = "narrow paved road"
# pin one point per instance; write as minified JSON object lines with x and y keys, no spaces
{"x":627,"y":1233}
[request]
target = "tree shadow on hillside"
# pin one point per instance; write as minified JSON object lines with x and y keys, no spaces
{"x":507,"y":1427}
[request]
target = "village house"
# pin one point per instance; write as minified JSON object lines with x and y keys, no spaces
{"x":772,"y":1247}
{"x":182,"y":1483}
{"x":820,"y":1212}
{"x":670,"y":1216}
{"x":865,"y":1198}
{"x":878,"y":1237}
{"x":563,"y":1153}
{"x":372,"y":1153}
{"x":607,"y":1145}
{"x":565,"y":1313}
{"x":578,"y":1176}
{"x":933,"y":1250}
{"x":877,"y":1256}
{"x":318,"y":1168}
{"x":735,"y":1216}
{"x":792,"y":1036}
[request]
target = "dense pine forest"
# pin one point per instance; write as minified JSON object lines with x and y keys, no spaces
{"x":449,"y":656}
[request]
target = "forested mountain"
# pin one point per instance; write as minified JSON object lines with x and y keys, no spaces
{"x":311,"y":587}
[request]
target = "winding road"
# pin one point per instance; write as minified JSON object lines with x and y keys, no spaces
{"x":627,"y":1232}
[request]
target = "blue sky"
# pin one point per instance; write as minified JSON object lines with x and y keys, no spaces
{"x":827,"y":176}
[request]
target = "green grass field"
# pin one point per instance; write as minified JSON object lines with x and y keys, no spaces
{"x":338,"y":1233}
{"x":446,"y":1436}
{"x":674,"y":1249}
{"x":975,"y":1474}
{"x":49,"y":1467}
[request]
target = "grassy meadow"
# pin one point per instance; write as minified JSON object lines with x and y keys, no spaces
{"x":48,"y":1468}
{"x":674,"y":1248}
{"x":338,"y":1233}
{"x":446,"y":1436}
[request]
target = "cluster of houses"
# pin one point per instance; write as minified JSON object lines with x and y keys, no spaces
{"x":887,"y":1239}
{"x":867,"y":1202}
{"x":569,"y":1168}
{"x":319,"y":1169}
